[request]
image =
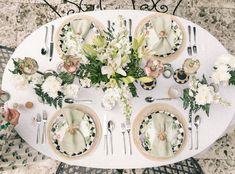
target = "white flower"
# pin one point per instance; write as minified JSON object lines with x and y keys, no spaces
{"x":71,"y":90}
{"x":35,"y":79}
{"x":226,"y":59}
{"x":205,"y":95}
{"x":223,"y":60}
{"x":120,"y":95}
{"x":20,"y":81}
{"x":51,"y":86}
{"x":114,"y":66}
{"x":221,"y":75}
{"x":85,"y":83}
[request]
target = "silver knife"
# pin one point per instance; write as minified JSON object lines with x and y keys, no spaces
{"x":52,"y":42}
{"x":130,"y":27}
{"x":105,"y":131}
{"x":190,"y":126}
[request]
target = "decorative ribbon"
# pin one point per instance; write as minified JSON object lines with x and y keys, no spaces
{"x":161,"y":146}
{"x":162,"y":27}
{"x":73,"y":140}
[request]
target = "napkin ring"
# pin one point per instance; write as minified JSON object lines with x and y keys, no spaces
{"x":162,"y":34}
{"x":162,"y":136}
{"x":72,"y":130}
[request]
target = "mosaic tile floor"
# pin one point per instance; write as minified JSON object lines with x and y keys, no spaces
{"x":18,"y":18}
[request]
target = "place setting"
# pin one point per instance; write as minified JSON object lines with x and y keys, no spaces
{"x":122,"y":66}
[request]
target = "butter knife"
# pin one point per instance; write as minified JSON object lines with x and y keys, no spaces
{"x":190,"y":126}
{"x":52,"y":42}
{"x":105,"y":132}
{"x":130,"y":27}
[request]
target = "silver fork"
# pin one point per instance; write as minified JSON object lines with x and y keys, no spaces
{"x":44,"y":120}
{"x":128,"y":129}
{"x":38,"y":130}
{"x":123,"y":130}
{"x":189,"y":49}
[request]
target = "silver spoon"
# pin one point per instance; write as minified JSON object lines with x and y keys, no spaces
{"x":151,"y":99}
{"x":45,"y":48}
{"x":70,"y":100}
{"x":111,"y":127}
{"x":197,"y":121}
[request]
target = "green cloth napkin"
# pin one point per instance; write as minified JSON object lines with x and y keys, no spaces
{"x":162,"y":24}
{"x":75,"y":141}
{"x":162,"y":124}
{"x":81,"y":27}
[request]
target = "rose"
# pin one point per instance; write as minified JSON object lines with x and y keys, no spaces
{"x":12,"y":116}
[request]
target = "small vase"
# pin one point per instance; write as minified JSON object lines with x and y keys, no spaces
{"x":180,"y":76}
{"x":149,"y":85}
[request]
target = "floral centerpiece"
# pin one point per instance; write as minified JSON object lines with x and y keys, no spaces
{"x":200,"y":95}
{"x":114,"y":65}
{"x":224,"y":70}
{"x":50,"y":86}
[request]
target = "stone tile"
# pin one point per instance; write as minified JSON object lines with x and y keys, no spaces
{"x":215,"y":3}
{"x":7,"y":22}
{"x":37,"y":14}
{"x":45,"y":167}
{"x":217,"y":166}
{"x":33,"y":1}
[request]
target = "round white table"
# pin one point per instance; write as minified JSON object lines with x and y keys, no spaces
{"x":210,"y":129}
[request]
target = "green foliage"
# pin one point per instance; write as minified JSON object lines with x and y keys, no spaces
{"x":190,"y":103}
{"x":67,"y":78}
{"x":16,"y":68}
{"x":232,"y":79}
{"x":92,"y":71}
{"x":58,"y":101}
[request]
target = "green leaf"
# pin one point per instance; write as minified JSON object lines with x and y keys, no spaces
{"x":232,"y":78}
{"x":66,"y":78}
{"x":89,"y":50}
{"x":206,"y":108}
{"x":133,"y":89}
{"x":204,"y":81}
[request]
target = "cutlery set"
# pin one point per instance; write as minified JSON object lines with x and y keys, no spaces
{"x":42,"y":120}
{"x":48,"y":49}
{"x":197,"y":122}
{"x":192,"y":48}
{"x":126,"y":128}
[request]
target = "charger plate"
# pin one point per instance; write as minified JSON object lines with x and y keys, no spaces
{"x":143,"y":130}
{"x":90,"y":128}
{"x":178,"y":38}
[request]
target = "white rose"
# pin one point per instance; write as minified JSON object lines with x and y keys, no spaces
{"x":221,"y":75}
{"x":108,"y":101}
{"x":51,"y":86}
{"x":71,"y":90}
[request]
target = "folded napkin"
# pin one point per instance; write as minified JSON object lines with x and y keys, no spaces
{"x":162,"y":27}
{"x":73,"y":140}
{"x":81,"y":27}
{"x":165,"y":133}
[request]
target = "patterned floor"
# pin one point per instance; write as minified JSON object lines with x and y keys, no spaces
{"x":18,"y":18}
